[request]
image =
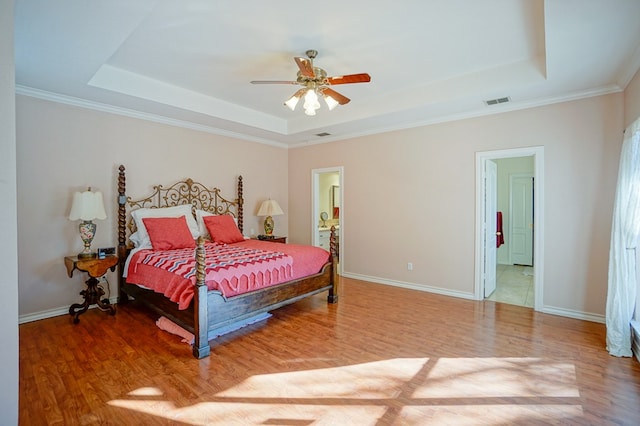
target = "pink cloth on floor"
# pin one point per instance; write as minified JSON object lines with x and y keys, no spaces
{"x":167,"y":325}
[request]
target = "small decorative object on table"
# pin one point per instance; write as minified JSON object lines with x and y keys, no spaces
{"x":95,"y":268}
{"x":104,"y":252}
{"x":324,"y":217}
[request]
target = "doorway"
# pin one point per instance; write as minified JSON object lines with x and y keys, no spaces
{"x":327,"y":208}
{"x":485,"y":268}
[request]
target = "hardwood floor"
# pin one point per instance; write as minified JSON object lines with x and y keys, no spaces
{"x":381,"y":356}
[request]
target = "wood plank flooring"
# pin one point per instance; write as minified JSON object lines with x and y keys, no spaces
{"x":381,"y":356}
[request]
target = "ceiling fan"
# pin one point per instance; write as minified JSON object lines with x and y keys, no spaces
{"x":316,"y":83}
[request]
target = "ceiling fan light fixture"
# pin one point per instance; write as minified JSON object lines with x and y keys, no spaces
{"x":292,"y":102}
{"x":311,"y":103}
{"x":331,"y":103}
{"x":315,"y":83}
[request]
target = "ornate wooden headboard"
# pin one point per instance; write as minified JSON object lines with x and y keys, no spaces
{"x":180,"y":193}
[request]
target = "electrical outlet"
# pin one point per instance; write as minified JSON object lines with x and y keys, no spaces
{"x":409,"y":266}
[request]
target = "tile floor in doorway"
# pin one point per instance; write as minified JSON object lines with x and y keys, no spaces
{"x":514,"y":285}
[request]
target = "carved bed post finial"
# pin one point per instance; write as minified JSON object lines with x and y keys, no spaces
{"x":240,"y":204}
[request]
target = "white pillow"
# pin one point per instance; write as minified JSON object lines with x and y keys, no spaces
{"x":202,"y":229}
{"x":141,"y":239}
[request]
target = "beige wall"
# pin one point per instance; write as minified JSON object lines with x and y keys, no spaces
{"x":62,"y":148}
{"x":409,"y":196}
{"x":8,"y":221}
{"x":632,"y":100}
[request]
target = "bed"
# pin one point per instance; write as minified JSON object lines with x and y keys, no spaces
{"x":205,"y":309}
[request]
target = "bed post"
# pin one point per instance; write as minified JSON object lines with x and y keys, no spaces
{"x":201,"y":346}
{"x":122,"y":236}
{"x":333,"y":248}
{"x":240,"y":203}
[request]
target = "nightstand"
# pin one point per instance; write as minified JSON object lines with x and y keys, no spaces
{"x":95,"y":268}
{"x":272,"y":239}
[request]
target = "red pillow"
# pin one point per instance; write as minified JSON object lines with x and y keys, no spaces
{"x":168,"y":233}
{"x":223,"y":229}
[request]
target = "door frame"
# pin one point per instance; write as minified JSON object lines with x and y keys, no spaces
{"x":537,"y":152}
{"x":490,"y":228}
{"x":315,"y":214}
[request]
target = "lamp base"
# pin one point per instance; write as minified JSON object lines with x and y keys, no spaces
{"x":87,"y":231}
{"x":268,"y":225}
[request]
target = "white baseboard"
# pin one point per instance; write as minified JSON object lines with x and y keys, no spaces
{"x":585,"y":316}
{"x":411,"y":286}
{"x":55,"y":312}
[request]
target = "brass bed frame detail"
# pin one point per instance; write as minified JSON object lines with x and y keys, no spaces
{"x":209,"y":310}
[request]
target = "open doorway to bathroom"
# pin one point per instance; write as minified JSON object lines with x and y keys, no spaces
{"x":516,"y":258}
{"x":327,"y":208}
{"x":515,"y":203}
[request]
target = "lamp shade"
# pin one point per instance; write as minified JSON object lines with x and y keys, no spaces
{"x":270,"y":208}
{"x":87,"y":206}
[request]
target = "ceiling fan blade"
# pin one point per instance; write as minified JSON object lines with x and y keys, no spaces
{"x":272,"y":82}
{"x":351,"y":78}
{"x":341,"y":99}
{"x":306,"y":66}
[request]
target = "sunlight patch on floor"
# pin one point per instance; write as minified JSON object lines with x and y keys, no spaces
{"x":146,"y":392}
{"x":503,"y":414}
{"x":499,"y":377}
{"x":465,"y":391}
{"x":374,"y":380}
{"x":255,"y":413}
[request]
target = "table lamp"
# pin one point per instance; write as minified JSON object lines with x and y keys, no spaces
{"x":87,"y":206}
{"x":269,"y":208}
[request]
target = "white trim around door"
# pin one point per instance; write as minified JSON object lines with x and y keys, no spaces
{"x":537,"y":153}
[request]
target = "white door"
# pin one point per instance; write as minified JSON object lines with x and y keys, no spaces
{"x":490,"y":225}
{"x":521,"y":220}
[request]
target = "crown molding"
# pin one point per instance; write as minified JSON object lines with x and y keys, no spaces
{"x":126,"y":112}
{"x":485,"y":111}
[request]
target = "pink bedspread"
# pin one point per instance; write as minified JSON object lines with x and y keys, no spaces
{"x":231,"y":269}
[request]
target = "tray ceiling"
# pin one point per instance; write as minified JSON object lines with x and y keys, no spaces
{"x":190,"y":62}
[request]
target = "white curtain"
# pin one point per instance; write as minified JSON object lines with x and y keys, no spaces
{"x":621,"y":297}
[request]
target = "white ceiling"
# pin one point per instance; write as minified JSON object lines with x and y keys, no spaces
{"x":190,"y":62}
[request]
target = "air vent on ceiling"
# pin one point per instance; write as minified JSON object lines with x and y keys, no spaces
{"x":497,"y":101}
{"x":323,"y":134}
